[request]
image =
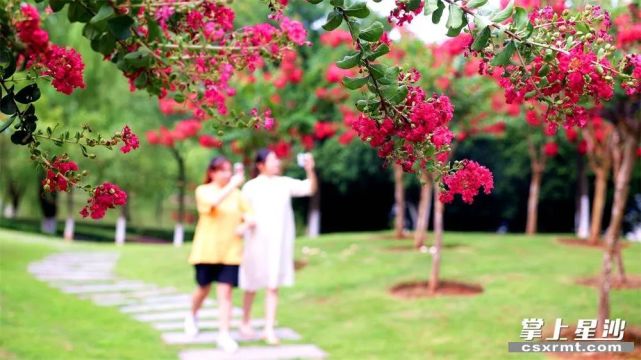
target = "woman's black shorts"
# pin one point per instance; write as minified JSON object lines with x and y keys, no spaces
{"x":221,"y":273}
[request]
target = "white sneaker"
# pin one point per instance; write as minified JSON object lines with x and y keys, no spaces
{"x":226,"y":343}
{"x":191,"y":325}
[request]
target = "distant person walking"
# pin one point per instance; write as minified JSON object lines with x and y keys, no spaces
{"x":268,"y":257}
{"x":217,"y":248}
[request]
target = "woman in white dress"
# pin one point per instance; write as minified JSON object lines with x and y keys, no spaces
{"x":268,"y":257}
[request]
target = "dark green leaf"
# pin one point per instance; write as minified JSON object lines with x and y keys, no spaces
{"x":453,"y":32}
{"x":91,"y":32}
{"x":349,"y":61}
{"x":544,"y":70}
{"x":334,"y":20}
{"x":482,"y":39}
{"x":474,"y":4}
{"x":436,"y":15}
{"x":413,"y":4}
{"x":141,"y":80}
{"x":314,"y":1}
{"x":354,"y":83}
{"x":57,"y":5}
{"x":373,"y":32}
{"x":400,"y":95}
{"x":9,"y":70}
{"x":7,"y":105}
{"x":378,"y":70}
{"x":431,"y":6}
{"x":358,"y":10}
{"x":338,"y":3}
{"x":105,"y":12}
{"x":78,"y":12}
{"x":455,"y":18}
{"x":138,"y":59}
{"x":520,"y":18}
{"x":504,"y":57}
{"x":21,"y":137}
{"x":380,"y":51}
{"x":120,"y":26}
{"x":28,"y":94}
{"x":105,"y":44}
{"x":7,"y":123}
{"x":504,"y":14}
{"x":154,"y":32}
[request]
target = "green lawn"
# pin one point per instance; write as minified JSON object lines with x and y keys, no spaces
{"x":340,"y":301}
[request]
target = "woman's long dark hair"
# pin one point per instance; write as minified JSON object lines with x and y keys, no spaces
{"x":261,"y":157}
{"x":214,"y":165}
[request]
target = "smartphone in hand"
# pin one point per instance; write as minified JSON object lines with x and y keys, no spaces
{"x":300,"y":159}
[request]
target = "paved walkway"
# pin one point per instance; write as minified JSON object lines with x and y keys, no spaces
{"x":90,"y":275}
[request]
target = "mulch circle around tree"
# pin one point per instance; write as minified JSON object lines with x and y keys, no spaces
{"x":299,"y":264}
{"x":586,"y":244}
{"x":631,"y":282}
{"x":419,"y":289}
{"x":630,"y":334}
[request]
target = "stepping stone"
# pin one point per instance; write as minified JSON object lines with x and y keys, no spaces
{"x":282,"y":352}
{"x":174,"y":305}
{"x":209,"y":337}
{"x":175,"y":315}
{"x":74,"y":277}
{"x":119,"y":286}
{"x":121,"y":301}
{"x":203,"y":325}
{"x":166,"y":298}
{"x":138,"y":294}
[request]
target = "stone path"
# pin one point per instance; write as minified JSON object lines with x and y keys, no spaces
{"x":90,"y":275}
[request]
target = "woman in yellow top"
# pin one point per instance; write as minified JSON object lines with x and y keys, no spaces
{"x":217,"y":247}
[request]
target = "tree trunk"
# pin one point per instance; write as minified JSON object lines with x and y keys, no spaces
{"x":533,"y":202}
{"x":621,"y":189}
{"x":68,"y":233}
{"x":399,"y":197}
{"x":424,"y":204}
{"x":600,"y":192}
{"x":179,"y":232}
{"x":582,"y":218}
{"x":49,"y":207}
{"x":439,"y":209}
{"x":620,"y":267}
{"x":121,"y":228}
{"x":314,"y":215}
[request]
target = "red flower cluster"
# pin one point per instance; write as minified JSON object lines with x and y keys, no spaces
{"x":467,"y":182}
{"x":29,"y":31}
{"x":563,"y":79}
{"x":63,"y":65}
{"x":307,"y":141}
{"x":335,"y":74}
{"x":294,"y":30}
{"x":290,"y":72}
{"x":426,"y":115}
{"x":267,"y":122}
{"x":105,"y":196}
{"x":336,"y":38}
{"x":282,"y":149}
{"x":129,"y":139}
{"x":324,"y":129}
{"x":208,"y":141}
{"x":335,"y":95}
{"x":551,"y":149}
{"x":628,"y":27}
{"x":401,"y":14}
{"x":633,"y":86}
{"x":58,"y":174}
